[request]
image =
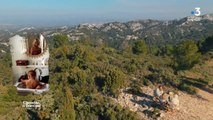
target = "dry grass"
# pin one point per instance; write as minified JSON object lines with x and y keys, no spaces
{"x":193,"y":75}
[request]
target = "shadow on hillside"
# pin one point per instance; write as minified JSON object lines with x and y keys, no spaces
{"x":208,"y":90}
{"x":144,"y":95}
{"x":201,"y":98}
{"x":147,"y":104}
{"x":199,"y":83}
{"x":148,"y":113}
{"x":33,"y":115}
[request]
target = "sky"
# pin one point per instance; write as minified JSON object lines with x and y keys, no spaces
{"x":72,"y":12}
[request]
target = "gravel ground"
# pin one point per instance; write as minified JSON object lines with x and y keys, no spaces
{"x":198,"y":107}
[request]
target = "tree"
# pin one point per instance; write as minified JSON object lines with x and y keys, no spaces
{"x":167,"y":50}
{"x":114,"y":80}
{"x":60,"y":40}
{"x":67,"y":108}
{"x":78,"y":80}
{"x":186,"y":55}
{"x":207,"y":45}
{"x":139,"y":47}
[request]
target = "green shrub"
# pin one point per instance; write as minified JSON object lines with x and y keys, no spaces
{"x":186,"y":55}
{"x":131,"y":68}
{"x":114,"y":80}
{"x":189,"y":89}
{"x":207,"y":45}
{"x":147,"y":82}
{"x":60,"y":40}
{"x":140,"y":47}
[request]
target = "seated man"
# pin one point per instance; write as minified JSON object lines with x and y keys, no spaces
{"x":158,"y":92}
{"x":31,"y":82}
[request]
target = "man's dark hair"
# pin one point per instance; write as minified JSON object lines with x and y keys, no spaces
{"x":33,"y":73}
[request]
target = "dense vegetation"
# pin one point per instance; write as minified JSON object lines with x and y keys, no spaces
{"x":186,"y":54}
{"x":85,"y":76}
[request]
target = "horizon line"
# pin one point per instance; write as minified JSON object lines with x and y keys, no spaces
{"x":89,"y":22}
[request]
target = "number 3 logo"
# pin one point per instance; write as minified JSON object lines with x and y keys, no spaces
{"x":197,"y":13}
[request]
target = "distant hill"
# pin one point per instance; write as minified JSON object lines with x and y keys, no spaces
{"x":115,"y":34}
{"x":97,"y":83}
{"x":153,"y":31}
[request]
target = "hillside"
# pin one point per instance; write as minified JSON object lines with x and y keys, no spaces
{"x":118,"y":35}
{"x":88,"y":74}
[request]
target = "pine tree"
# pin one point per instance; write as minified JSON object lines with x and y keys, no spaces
{"x":140,"y":47}
{"x":186,"y":55}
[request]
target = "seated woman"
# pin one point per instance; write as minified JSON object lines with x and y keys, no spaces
{"x":35,"y":49}
{"x":164,"y":98}
{"x":32,"y":82}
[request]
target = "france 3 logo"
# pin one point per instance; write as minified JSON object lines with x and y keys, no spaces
{"x":196,"y":12}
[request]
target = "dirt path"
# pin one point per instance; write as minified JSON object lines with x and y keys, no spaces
{"x":191,"y":107}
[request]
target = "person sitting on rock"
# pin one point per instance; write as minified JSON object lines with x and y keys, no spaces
{"x":158,"y":92}
{"x":164,"y":101}
{"x":173,"y":101}
{"x":32,"y":82}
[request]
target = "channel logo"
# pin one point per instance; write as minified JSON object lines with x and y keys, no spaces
{"x":196,"y":11}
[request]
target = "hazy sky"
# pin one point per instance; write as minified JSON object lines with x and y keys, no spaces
{"x":70,"y":12}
